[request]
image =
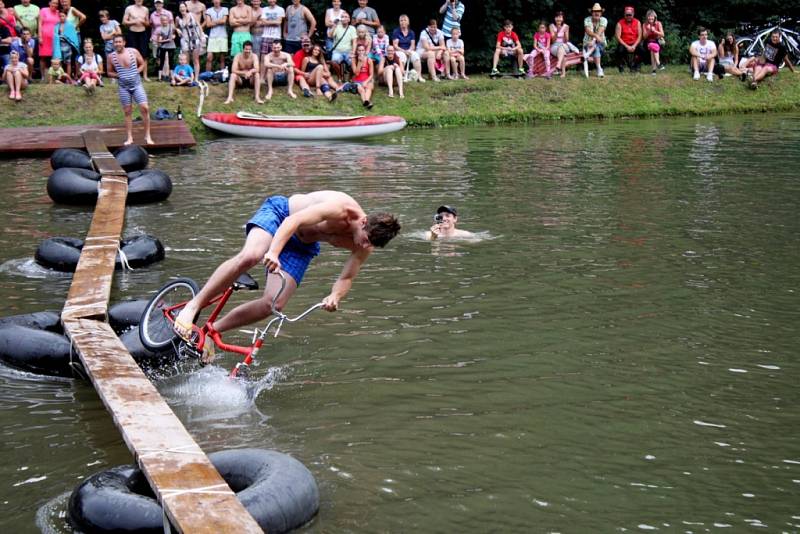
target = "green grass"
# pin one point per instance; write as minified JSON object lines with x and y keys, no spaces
{"x":479,"y":100}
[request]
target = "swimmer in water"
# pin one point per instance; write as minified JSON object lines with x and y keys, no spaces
{"x":445,"y":225}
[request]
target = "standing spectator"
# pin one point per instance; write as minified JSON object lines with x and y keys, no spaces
{"x":108,"y":29}
{"x":541,"y":46}
{"x":16,"y":75}
{"x":594,"y":39}
{"x":405,"y":42}
{"x":137,"y":20}
{"x":183,"y":74}
{"x":272,"y":18}
{"x":559,"y":37}
{"x":240,"y":20}
{"x":629,"y":37}
{"x":90,"y":67}
{"x":299,"y":20}
{"x":507,"y":45}
{"x":28,"y":15}
{"x":257,"y":28}
{"x":197,"y":9}
{"x":728,"y":54}
{"x":453,"y":13}
{"x":8,"y":33}
{"x":75,"y":17}
{"x":367,"y":16}
{"x":653,"y":33}
{"x":434,"y":50}
{"x":215,"y":20}
{"x":775,"y":54}
{"x":166,"y":46}
{"x":458,"y":62}
{"x":126,"y":64}
{"x":280,"y":69}
{"x":390,"y":70}
{"x":343,"y":36}
{"x":333,"y":15}
{"x":191,"y":35}
{"x":48,"y":18}
{"x":245,"y":71}
{"x":65,"y":42}
{"x":703,"y":55}
{"x":155,"y":28}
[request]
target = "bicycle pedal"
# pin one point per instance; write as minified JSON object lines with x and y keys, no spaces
{"x":186,"y":351}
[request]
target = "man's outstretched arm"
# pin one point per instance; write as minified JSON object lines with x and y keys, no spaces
{"x":345,"y":281}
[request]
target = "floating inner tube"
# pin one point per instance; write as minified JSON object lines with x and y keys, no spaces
{"x":35,"y":342}
{"x":278,"y":491}
{"x":130,"y":158}
{"x":126,"y":314}
{"x":62,"y":253}
{"x":79,"y":187}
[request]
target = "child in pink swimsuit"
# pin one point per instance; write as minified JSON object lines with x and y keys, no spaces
{"x":541,"y":45}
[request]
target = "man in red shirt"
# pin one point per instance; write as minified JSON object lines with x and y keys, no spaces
{"x":300,"y":77}
{"x":629,"y":35}
{"x":508,"y":45}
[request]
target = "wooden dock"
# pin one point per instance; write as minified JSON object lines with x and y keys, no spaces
{"x":19,"y":142}
{"x":194,"y":496}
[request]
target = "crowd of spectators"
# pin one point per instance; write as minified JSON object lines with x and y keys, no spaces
{"x":250,"y":44}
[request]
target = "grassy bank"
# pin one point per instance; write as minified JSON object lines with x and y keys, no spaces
{"x":476,"y":101}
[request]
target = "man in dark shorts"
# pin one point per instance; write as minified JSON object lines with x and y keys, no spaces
{"x":775,"y":53}
{"x":284,"y":234}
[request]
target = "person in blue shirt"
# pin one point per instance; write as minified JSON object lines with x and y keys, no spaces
{"x":183,"y":73}
{"x":404,"y":41}
{"x":453,"y":11}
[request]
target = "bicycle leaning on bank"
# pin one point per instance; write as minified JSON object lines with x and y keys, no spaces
{"x":156,"y":327}
{"x":752,"y":43}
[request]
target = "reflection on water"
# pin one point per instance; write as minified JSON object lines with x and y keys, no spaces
{"x":615,"y":353}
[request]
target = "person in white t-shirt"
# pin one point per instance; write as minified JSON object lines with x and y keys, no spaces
{"x":271,"y":23}
{"x":703,"y":53}
{"x":455,"y":47}
{"x":432,"y":48}
{"x":215,"y":21}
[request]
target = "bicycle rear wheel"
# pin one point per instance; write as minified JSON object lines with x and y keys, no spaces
{"x":155,"y":326}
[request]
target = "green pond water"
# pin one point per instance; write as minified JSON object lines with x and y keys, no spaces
{"x":617,"y":352}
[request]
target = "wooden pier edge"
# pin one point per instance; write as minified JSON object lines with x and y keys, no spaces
{"x":193,"y":495}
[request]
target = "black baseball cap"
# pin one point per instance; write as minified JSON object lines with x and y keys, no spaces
{"x":448,"y":209}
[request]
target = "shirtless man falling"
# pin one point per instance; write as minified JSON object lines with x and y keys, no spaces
{"x":244,"y":70}
{"x":284,"y":234}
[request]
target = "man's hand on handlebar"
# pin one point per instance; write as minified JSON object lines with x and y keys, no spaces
{"x":272,"y":262}
{"x":330,"y":303}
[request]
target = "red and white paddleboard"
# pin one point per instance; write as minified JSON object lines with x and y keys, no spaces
{"x":302,"y":127}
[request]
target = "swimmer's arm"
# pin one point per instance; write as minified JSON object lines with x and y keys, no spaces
{"x":345,"y":281}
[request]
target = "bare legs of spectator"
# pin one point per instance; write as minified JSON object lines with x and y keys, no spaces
{"x":562,"y":51}
{"x":16,"y":83}
{"x":210,"y":60}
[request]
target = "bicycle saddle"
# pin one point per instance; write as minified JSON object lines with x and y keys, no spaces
{"x":245,"y":281}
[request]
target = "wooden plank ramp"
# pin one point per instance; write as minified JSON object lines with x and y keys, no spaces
{"x":194,"y":496}
{"x":19,"y":142}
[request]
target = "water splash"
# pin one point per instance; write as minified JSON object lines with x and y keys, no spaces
{"x":28,"y":268}
{"x":51,"y":517}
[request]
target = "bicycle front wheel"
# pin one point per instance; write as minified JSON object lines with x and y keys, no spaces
{"x":155,"y":325}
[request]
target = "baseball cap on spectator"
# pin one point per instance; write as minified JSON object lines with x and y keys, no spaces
{"x":448,"y":209}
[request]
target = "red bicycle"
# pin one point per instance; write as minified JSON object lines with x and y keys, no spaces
{"x":156,"y":327}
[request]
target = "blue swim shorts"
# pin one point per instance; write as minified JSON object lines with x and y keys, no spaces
{"x":296,"y":255}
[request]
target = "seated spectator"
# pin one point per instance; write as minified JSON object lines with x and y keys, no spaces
{"x":90,"y":66}
{"x":245,"y":72}
{"x":25,"y":47}
{"x":541,"y":46}
{"x":775,"y":54}
{"x":728,"y":55}
{"x":56,"y":74}
{"x":183,"y":73}
{"x":703,"y":56}
{"x":390,"y":70}
{"x":367,"y":16}
{"x":343,"y":36}
{"x":191,"y":36}
{"x":363,"y":69}
{"x":560,"y":45}
{"x":65,"y":42}
{"x":302,"y":77}
{"x":653,"y":34}
{"x":166,"y":46}
{"x":508,"y":46}
{"x":433,"y":49}
{"x":108,"y":29}
{"x":363,"y":38}
{"x":455,"y":47}
{"x":380,"y":42}
{"x":405,"y":43}
{"x":280,"y":70}
{"x":319,"y":76}
{"x":629,"y":39}
{"x":594,"y":39}
{"x":16,"y":75}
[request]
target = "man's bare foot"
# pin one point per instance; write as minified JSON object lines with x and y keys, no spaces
{"x":148,"y":140}
{"x":391,"y":95}
{"x":259,"y":101}
{"x":269,"y":96}
{"x":228,"y":101}
{"x":291,"y":94}
{"x":465,"y":76}
{"x":128,"y":141}
{"x":402,"y":95}
{"x":209,"y":353}
{"x":185,"y":321}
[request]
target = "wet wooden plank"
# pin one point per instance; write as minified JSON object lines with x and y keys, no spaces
{"x":16,"y":142}
{"x":195,"y":497}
